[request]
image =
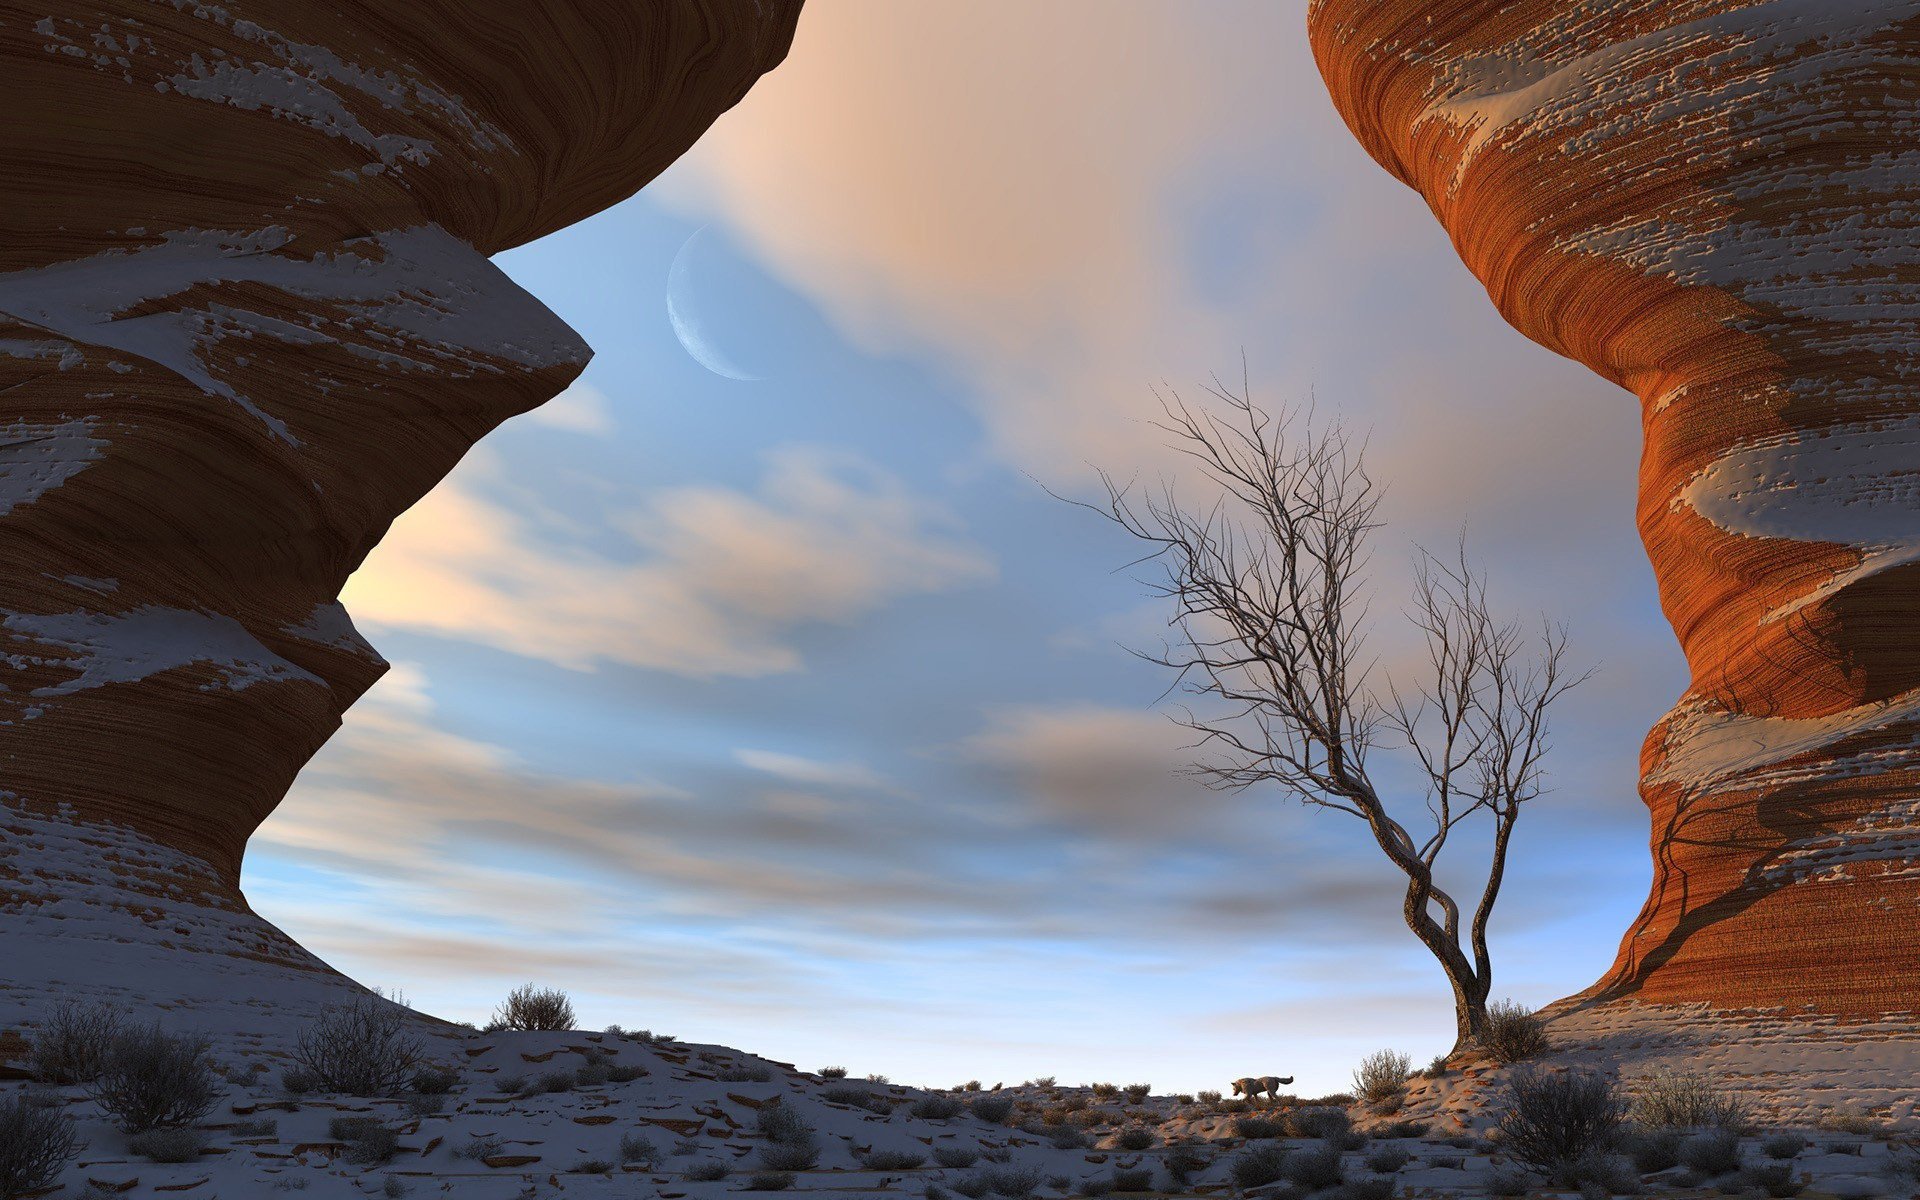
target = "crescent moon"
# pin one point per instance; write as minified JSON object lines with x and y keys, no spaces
{"x":687,"y":325}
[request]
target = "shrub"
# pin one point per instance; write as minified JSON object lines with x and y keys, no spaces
{"x":1711,"y":1152}
{"x":638,"y":1150}
{"x":1402,"y":1129}
{"x":1011,"y":1181}
{"x":1437,"y":1067}
{"x":1104,"y":1091}
{"x":594,"y":1074}
{"x":509,"y":1085}
{"x":744,"y":1074}
{"x":1067,"y":1138}
{"x":554,"y":1082}
{"x":1685,"y":1100}
{"x":892,"y":1160}
{"x":1097,"y":1186}
{"x":1137,"y":1093}
{"x":1208,"y":1097}
{"x":994,"y":1110}
{"x":168,"y":1145}
{"x":426,"y":1105}
{"x":1259,"y":1166}
{"x":359,"y":1049}
{"x":954,"y":1156}
{"x":1134,"y":1137}
{"x":1513,"y":1033}
{"x":769,"y":1181}
{"x":1041,"y":1081}
{"x":1381,"y":1076}
{"x":478,"y":1148}
{"x":35,"y":1146}
{"x":394,"y":1188}
{"x":1327,"y":1124}
{"x":1554,"y":1120}
{"x":1783,"y":1145}
{"x":1138,"y":1179}
{"x":778,"y":1156}
{"x":972,"y":1187}
{"x":1847,"y":1120}
{"x":265,"y":1127}
{"x":1774,"y":1178}
{"x":591,"y":1166}
{"x":1258,"y":1128}
{"x":73,"y":1044}
{"x":1388,"y":1159}
{"x":368,"y":1139}
{"x":1184,"y":1162}
{"x":708,"y":1172}
{"x":935,"y":1108}
{"x":781,"y":1125}
{"x":624,"y":1073}
{"x":532,"y":1008}
{"x":1508,"y":1182}
{"x":297,"y":1082}
{"x":833,"y":1072}
{"x":1315,"y":1169}
{"x":432,"y":1080}
{"x":971,"y":1085}
{"x":858,"y":1097}
{"x":1653,"y":1149}
{"x":150,"y":1079}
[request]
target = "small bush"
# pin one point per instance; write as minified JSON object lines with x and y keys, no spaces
{"x":1382,"y":1076}
{"x":1774,"y":1178}
{"x":554,"y":1082}
{"x":1137,"y":1093}
{"x":359,"y":1049}
{"x":1554,"y":1120}
{"x":1184,"y":1162}
{"x":591,"y":1166}
{"x":1258,"y":1128}
{"x":1315,"y":1169}
{"x":994,"y":1110}
{"x":1513,"y":1033}
{"x":1208,"y":1097}
{"x":1012,"y":1181}
{"x":426,"y":1105}
{"x":478,"y":1148}
{"x":782,"y":1157}
{"x":368,"y":1140}
{"x":781,"y":1125}
{"x":833,"y":1072}
{"x":1097,"y":1186}
{"x":532,"y":1008}
{"x":1067,"y":1138}
{"x":935,"y":1108}
{"x":433,"y":1080}
{"x":1138,"y":1179}
{"x":1711,"y":1152}
{"x":1509,"y":1182}
{"x":394,"y":1188}
{"x":1402,"y":1129}
{"x":744,"y":1074}
{"x":73,"y":1044}
{"x":710,"y":1171}
{"x":856,"y":1096}
{"x":972,"y":1085}
{"x":954,"y":1156}
{"x":36,"y":1144}
{"x":1259,"y":1166}
{"x":265,"y":1127}
{"x":1041,"y":1081}
{"x":151,"y":1079}
{"x":1327,"y":1124}
{"x":1783,"y":1145}
{"x":1436,"y":1068}
{"x":509,"y":1085}
{"x":168,"y":1145}
{"x":892,"y":1160}
{"x":594,"y":1074}
{"x":1669,"y":1099}
{"x":297,"y":1082}
{"x":769,"y":1181}
{"x":1387,"y":1160}
{"x":1848,"y":1120}
{"x":1134,"y":1137}
{"x":638,"y":1150}
{"x":624,"y":1073}
{"x":972,"y":1187}
{"x":1653,"y":1149}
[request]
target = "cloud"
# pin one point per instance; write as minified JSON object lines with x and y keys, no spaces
{"x":795,"y":769}
{"x":582,"y":408}
{"x":706,"y":580}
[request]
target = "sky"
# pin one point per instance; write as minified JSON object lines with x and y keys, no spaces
{"x":768,"y":698}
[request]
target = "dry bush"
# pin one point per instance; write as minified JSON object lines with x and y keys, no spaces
{"x":1554,"y":1121}
{"x":151,"y":1079}
{"x":168,"y":1145}
{"x":1513,"y":1033}
{"x":1668,"y":1099}
{"x":361,"y":1048}
{"x":535,"y":1009}
{"x":36,"y":1144}
{"x":73,"y":1043}
{"x":368,"y":1139}
{"x":994,"y":1110}
{"x":1382,"y":1076}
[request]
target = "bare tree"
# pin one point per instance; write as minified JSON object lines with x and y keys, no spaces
{"x":1267,"y":581}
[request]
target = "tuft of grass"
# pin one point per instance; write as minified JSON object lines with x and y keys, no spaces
{"x":1508,"y":1182}
{"x":554,"y":1082}
{"x":1848,"y":1120}
{"x":1136,"y":1179}
{"x":1513,"y":1033}
{"x":935,"y":1108}
{"x":477,"y":1148}
{"x":168,"y":1145}
{"x":368,"y":1139}
{"x":638,"y":1150}
{"x":893,"y":1160}
{"x":954,"y":1156}
{"x":1325,"y":1124}
{"x":833,"y":1072}
{"x":1668,"y":1099}
{"x":426,"y":1106}
{"x":1556,"y":1120}
{"x":1774,"y":1178}
{"x":1382,"y":1076}
{"x":624,"y":1073}
{"x":1134,"y":1137}
{"x":1387,"y":1159}
{"x":1652,"y":1149}
{"x":510,"y":1085}
{"x":533,"y":1008}
{"x":1783,"y":1145}
{"x":591,"y":1166}
{"x":1259,"y":1166}
{"x":432,"y":1080}
{"x":151,"y":1079}
{"x":994,"y":1110}
{"x":1258,"y":1128}
{"x":1137,"y":1093}
{"x":1711,"y":1152}
{"x":265,"y":1127}
{"x":855,"y":1096}
{"x":711,"y":1171}
{"x":1315,"y":1169}
{"x":769,"y":1181}
{"x":744,"y":1074}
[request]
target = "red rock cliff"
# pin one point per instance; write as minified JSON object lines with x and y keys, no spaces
{"x":1716,"y":204}
{"x":246,"y":319}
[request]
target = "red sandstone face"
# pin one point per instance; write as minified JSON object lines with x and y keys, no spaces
{"x":246,"y":319}
{"x":1713,"y":203}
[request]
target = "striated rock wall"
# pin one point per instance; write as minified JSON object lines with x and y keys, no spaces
{"x":1716,"y":205}
{"x":246,"y":318}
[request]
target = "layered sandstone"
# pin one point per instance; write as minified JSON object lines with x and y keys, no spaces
{"x":247,"y":318}
{"x":1715,"y":204}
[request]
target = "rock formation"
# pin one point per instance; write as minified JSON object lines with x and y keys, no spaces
{"x":1716,"y":204}
{"x":246,"y":319}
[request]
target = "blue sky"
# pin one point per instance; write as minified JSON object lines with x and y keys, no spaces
{"x":793,"y":714}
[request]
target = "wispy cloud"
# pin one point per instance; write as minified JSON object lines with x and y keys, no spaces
{"x":707,"y":581}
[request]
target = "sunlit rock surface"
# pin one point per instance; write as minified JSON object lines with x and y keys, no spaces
{"x":1713,"y":204}
{"x":246,"y":318}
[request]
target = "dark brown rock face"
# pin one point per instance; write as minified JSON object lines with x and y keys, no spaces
{"x":247,"y":318}
{"x":1716,"y":204}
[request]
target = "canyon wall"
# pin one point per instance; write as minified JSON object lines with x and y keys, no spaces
{"x":1716,"y":205}
{"x":247,"y":318}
